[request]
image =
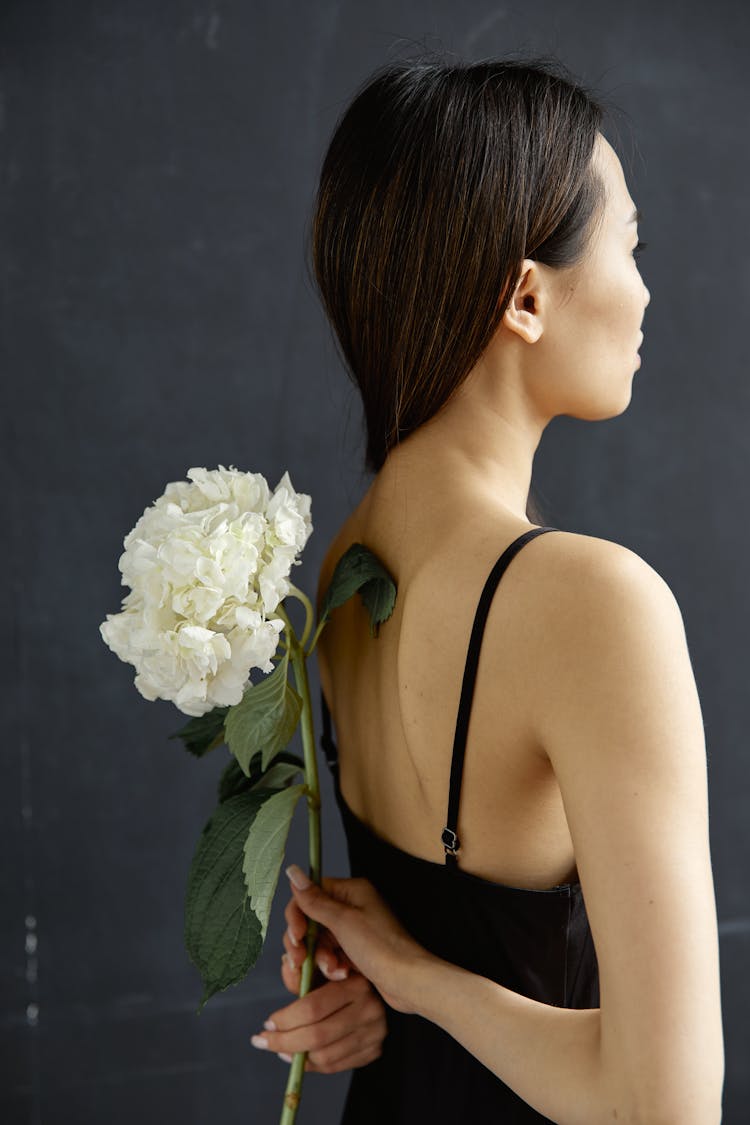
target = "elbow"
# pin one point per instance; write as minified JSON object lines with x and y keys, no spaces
{"x":679,"y":1117}
{"x":703,"y":1108}
{"x":680,"y":1096}
{"x":689,"y":1108}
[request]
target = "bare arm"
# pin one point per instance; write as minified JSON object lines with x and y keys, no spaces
{"x":619,"y":716}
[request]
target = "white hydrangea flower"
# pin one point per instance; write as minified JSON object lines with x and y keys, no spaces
{"x":206,"y":564}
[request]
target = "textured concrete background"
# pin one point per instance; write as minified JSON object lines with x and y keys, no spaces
{"x":158,"y":168}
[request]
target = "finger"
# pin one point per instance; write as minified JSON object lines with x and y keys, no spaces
{"x":295,"y":953}
{"x":350,"y":1051}
{"x":347,"y":890}
{"x":330,"y":1040}
{"x":297,"y":924}
{"x":295,"y":920}
{"x":296,"y":934}
{"x":316,"y":901}
{"x":361,"y":1058}
{"x":330,"y":957}
{"x":348,"y":1062}
{"x":355,"y":993}
{"x":290,"y":975}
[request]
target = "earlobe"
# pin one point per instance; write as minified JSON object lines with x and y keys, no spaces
{"x":524,"y":312}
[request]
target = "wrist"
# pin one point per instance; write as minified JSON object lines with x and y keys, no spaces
{"x":416,"y":979}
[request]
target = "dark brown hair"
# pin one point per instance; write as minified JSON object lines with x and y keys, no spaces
{"x":439,"y":179}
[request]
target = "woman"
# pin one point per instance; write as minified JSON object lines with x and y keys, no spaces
{"x":474,"y":244}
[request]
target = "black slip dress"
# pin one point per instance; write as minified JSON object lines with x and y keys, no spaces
{"x":535,"y":942}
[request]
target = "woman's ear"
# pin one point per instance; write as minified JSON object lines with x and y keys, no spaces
{"x":526,"y":308}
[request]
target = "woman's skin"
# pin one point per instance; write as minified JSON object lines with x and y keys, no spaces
{"x":598,"y":769}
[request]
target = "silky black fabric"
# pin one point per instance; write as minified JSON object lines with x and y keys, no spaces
{"x":537,"y":943}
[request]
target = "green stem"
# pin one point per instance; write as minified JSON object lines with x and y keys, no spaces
{"x":297,"y":593}
{"x":293,"y":1090}
{"x":317,"y":633}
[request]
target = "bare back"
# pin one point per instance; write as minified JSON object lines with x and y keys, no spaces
{"x":395,"y":698}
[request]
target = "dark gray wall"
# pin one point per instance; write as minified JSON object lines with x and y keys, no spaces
{"x":158,"y":165}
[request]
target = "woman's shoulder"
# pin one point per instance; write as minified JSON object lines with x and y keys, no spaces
{"x":572,"y":585}
{"x":588,"y":572}
{"x":581,"y":559}
{"x":561,"y":569}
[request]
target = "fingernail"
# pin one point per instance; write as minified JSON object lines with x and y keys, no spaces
{"x":292,"y":938}
{"x":298,"y":877}
{"x":286,"y":1058}
{"x":259,"y":1041}
{"x":270,"y":1026}
{"x":336,"y":974}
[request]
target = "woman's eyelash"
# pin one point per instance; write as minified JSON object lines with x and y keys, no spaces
{"x":641,"y":246}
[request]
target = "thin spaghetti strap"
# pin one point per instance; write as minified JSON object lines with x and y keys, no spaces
{"x":449,"y":835}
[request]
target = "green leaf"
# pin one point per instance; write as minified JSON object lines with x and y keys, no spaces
{"x":265,"y":718}
{"x":264,"y":850}
{"x":223,"y":934}
{"x":360,"y":569}
{"x":233,"y":780}
{"x":204,"y":732}
{"x":279,"y":774}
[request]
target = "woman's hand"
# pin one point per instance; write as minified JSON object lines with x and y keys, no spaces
{"x":329,"y":956}
{"x":341,"y":1024}
{"x":359,"y":921}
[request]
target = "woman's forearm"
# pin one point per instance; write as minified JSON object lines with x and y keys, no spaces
{"x":549,"y":1056}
